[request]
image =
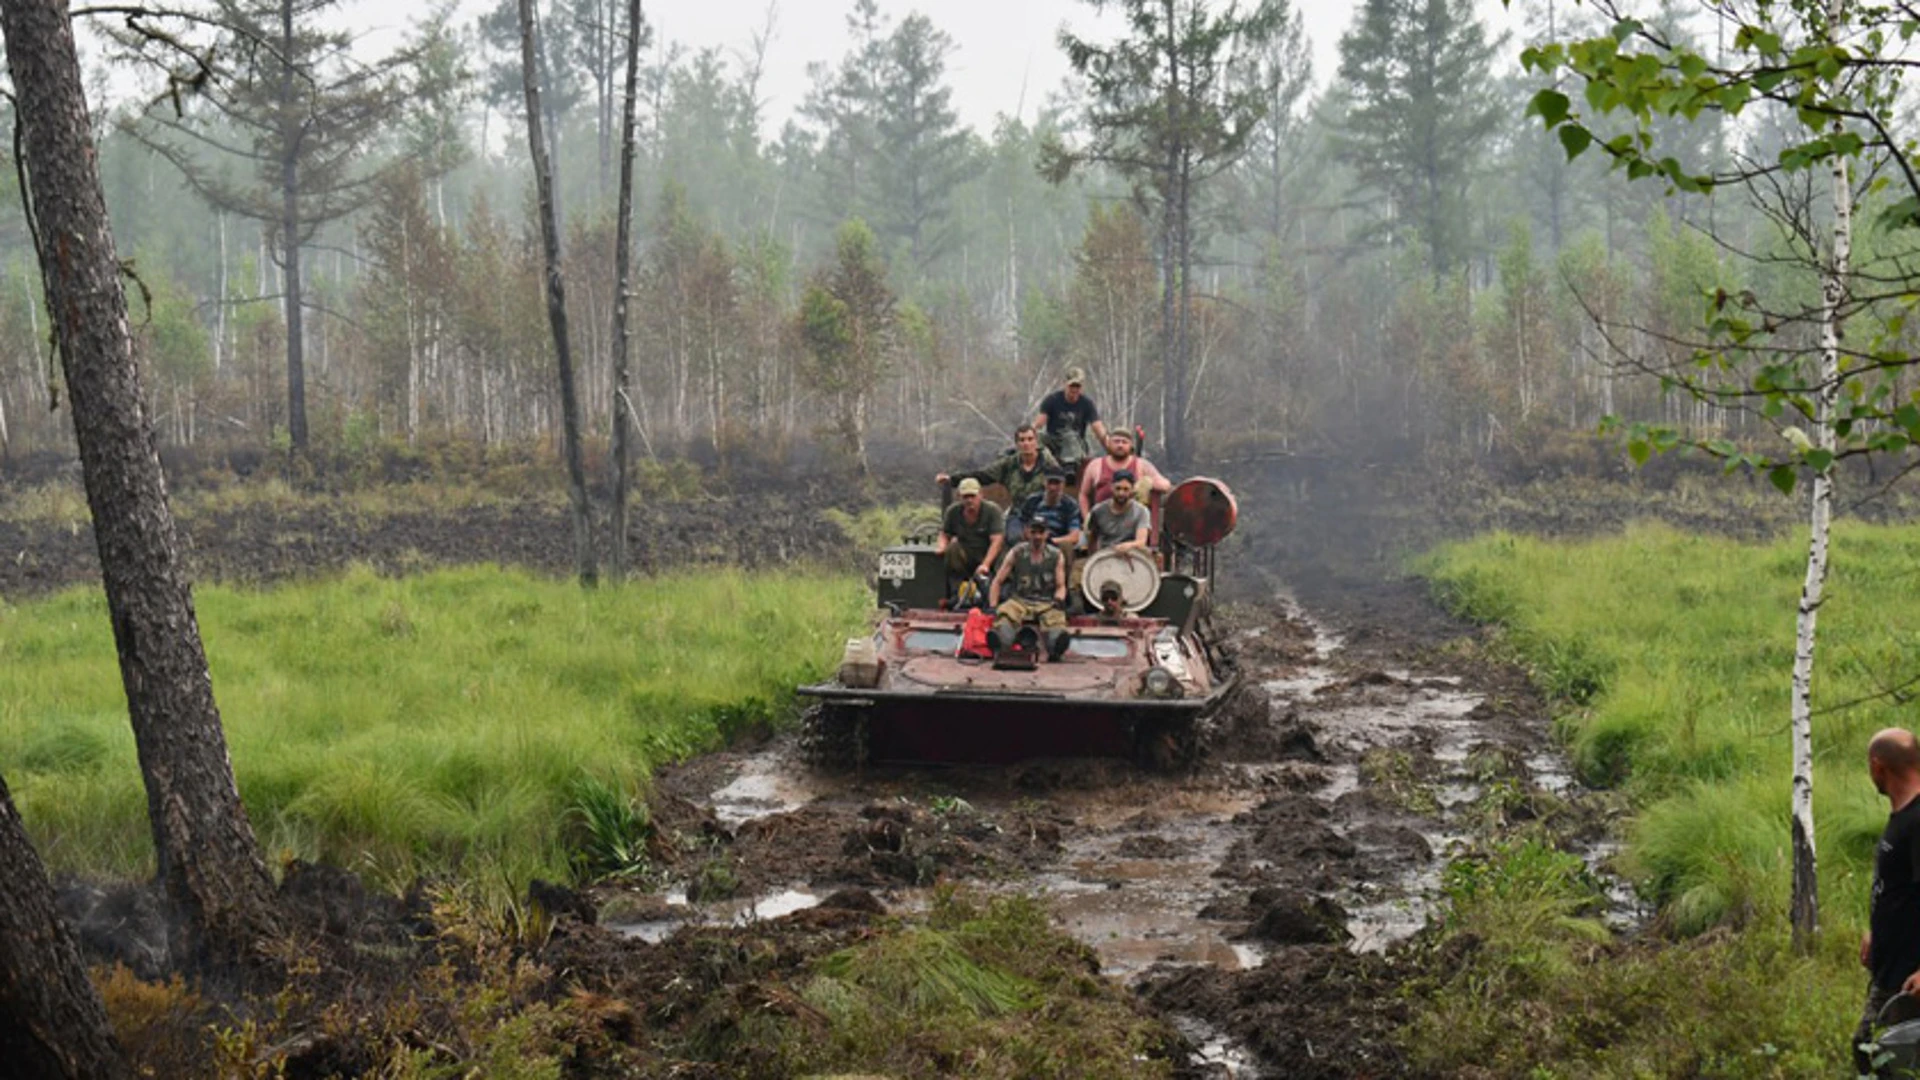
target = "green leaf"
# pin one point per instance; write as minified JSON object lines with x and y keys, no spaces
{"x":1551,"y":106}
{"x":1575,"y":139}
{"x":1819,"y":460}
{"x":1782,"y":478}
{"x":1639,"y":451}
{"x":1625,"y":29}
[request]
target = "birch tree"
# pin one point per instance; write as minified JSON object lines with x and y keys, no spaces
{"x":1826,"y":375}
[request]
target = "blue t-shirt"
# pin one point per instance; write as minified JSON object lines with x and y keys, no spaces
{"x":1062,"y":518}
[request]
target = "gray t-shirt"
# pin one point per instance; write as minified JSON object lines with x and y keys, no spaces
{"x":1111,"y":528}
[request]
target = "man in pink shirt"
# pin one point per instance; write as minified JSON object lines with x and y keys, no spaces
{"x":1096,"y":480}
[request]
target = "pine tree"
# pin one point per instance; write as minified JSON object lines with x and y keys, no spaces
{"x":923,"y":153}
{"x":1170,"y":107}
{"x":847,"y":327}
{"x":278,"y":134}
{"x":1418,"y":77}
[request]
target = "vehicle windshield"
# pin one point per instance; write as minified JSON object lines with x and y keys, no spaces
{"x":1100,"y":648}
{"x":944,"y":641}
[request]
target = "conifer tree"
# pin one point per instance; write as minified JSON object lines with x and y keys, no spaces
{"x":278,"y":134}
{"x":1169,"y":107}
{"x":1417,"y":74}
{"x":923,"y":153}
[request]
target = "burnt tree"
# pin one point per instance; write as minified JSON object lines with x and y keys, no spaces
{"x":51,"y":1021}
{"x":623,"y":407}
{"x":583,"y":557}
{"x":208,"y":860}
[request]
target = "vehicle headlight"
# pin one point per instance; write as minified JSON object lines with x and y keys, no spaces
{"x":1160,"y":683}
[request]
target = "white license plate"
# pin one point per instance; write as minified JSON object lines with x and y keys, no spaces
{"x":896,"y":566}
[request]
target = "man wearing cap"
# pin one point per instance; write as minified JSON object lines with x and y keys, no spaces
{"x":1037,"y":573}
{"x":1022,"y":472}
{"x":1096,"y":480}
{"x":1065,"y":415}
{"x":971,"y":535}
{"x":1059,"y":511}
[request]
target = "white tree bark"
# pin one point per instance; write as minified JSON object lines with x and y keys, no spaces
{"x":1805,"y":909}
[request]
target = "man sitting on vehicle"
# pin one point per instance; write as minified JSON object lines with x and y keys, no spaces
{"x":1065,"y":417}
{"x":1022,"y":472}
{"x":1060,"y":513}
{"x":971,"y":536}
{"x":1036,"y":575}
{"x":1096,"y":480}
{"x":1119,"y":523}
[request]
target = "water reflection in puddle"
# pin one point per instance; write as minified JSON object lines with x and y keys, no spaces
{"x":766,"y":785}
{"x":735,"y":912}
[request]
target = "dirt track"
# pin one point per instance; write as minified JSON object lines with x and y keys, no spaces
{"x":1262,"y":903}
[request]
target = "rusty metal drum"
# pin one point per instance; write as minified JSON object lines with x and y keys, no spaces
{"x":1200,"y":512}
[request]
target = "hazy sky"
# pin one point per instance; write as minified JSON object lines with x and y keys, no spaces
{"x":1001,"y":46}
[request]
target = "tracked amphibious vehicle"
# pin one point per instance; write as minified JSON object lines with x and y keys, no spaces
{"x":1141,"y":677}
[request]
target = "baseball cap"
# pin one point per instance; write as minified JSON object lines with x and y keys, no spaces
{"x":1055,"y":472}
{"x":1076,"y":376}
{"x":1036,"y":523}
{"x":969,"y":486}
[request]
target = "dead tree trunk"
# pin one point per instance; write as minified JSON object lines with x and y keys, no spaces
{"x":290,"y":236}
{"x":209,"y":862}
{"x":583,"y":559}
{"x":52,"y":1023}
{"x":622,"y":277}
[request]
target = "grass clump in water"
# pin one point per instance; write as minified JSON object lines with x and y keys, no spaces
{"x":985,"y":988}
{"x":478,"y":721}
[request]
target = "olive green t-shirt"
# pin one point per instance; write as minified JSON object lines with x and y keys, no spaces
{"x":974,"y":537}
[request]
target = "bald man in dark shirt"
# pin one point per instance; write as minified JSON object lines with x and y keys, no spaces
{"x":1890,"y":951}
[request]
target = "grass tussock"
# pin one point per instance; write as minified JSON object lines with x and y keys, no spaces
{"x":1536,"y":987}
{"x":1670,"y":655}
{"x":986,"y":988}
{"x":475,"y":720}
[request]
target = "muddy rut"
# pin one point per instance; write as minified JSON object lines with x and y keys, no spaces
{"x":1257,"y":901}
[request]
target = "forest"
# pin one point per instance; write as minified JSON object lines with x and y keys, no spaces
{"x":1391,"y":253}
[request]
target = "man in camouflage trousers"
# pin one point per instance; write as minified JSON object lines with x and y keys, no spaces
{"x":1037,"y":573}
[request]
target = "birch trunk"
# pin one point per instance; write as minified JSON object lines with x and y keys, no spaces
{"x":1805,"y":904}
{"x":583,"y":557}
{"x":623,"y":282}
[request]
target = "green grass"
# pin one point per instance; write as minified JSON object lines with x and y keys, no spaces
{"x":982,"y":989}
{"x":1670,"y":655}
{"x":477,"y":721}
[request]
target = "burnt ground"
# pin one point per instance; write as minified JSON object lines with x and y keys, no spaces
{"x":1267,"y":904}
